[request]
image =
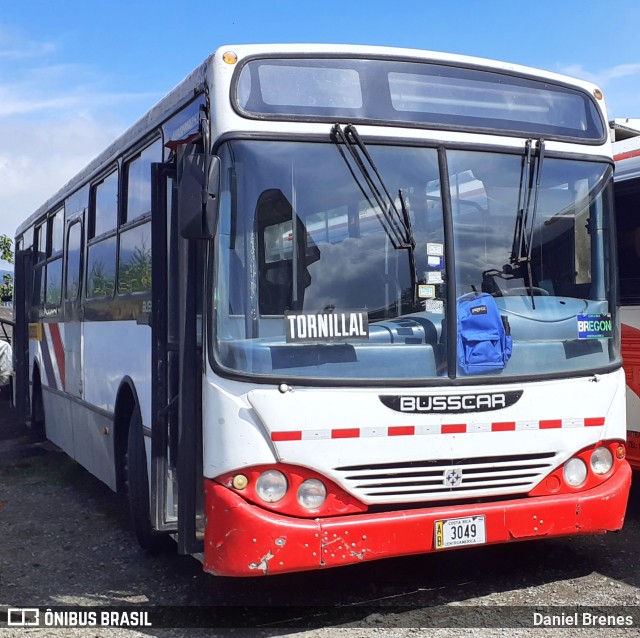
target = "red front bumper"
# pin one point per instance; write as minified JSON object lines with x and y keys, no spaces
{"x":244,"y":540}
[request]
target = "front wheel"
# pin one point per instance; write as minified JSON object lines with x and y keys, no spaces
{"x":137,"y":488}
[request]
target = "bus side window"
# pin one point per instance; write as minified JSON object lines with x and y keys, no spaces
{"x":134,"y":265}
{"x":101,"y":268}
{"x":39,"y":255}
{"x":55,"y":232}
{"x":53,"y":294}
{"x":101,"y":254}
{"x":138,"y":181}
{"x":39,"y":273}
{"x":72,"y":275}
{"x":104,"y":206}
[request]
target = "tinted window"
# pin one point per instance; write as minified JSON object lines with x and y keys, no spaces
{"x":101,"y":268}
{"x":134,"y":266}
{"x":40,"y":243}
{"x":38,"y":285}
{"x":138,"y":172}
{"x":417,"y":94}
{"x":54,"y":283}
{"x":303,"y":86}
{"x":73,"y":262}
{"x":105,"y":211}
{"x":57,"y":231}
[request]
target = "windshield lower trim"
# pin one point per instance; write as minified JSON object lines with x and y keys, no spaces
{"x":440,"y":382}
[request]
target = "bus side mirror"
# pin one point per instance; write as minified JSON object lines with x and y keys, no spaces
{"x":198,"y":192}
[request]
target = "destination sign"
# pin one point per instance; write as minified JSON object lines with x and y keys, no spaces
{"x":336,"y":326}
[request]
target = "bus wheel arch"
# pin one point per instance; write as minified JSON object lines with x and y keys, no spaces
{"x":38,"y":423}
{"x":132,"y":473}
{"x":126,"y":403}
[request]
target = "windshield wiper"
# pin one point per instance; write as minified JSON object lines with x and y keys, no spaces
{"x":526,"y":214}
{"x":396,"y":223}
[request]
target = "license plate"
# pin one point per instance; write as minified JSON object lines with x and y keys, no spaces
{"x":456,"y":532}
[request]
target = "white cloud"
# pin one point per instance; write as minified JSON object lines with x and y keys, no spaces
{"x":14,"y":47}
{"x":54,"y":119}
{"x":37,"y":158}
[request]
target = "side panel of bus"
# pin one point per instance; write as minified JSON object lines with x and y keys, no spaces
{"x":627,"y":200}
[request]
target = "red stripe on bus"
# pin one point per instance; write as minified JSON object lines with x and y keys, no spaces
{"x":286,"y":436}
{"x":551,"y":423}
{"x":345,"y":433}
{"x":503,"y":426}
{"x":54,"y":330}
{"x":627,"y":155}
{"x":402,"y":430}
{"x":594,"y":422}
{"x":454,"y":428}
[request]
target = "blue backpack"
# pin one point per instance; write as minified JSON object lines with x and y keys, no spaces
{"x":484,"y":339}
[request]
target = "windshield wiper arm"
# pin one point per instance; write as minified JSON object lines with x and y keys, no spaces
{"x":533,"y":217}
{"x":412,"y":255}
{"x":396,"y":223}
{"x":518,"y":234}
{"x":526,"y":214}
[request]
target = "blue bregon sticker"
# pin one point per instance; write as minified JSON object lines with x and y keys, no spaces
{"x":594,"y":326}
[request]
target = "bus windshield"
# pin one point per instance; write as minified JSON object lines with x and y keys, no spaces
{"x":311,"y":281}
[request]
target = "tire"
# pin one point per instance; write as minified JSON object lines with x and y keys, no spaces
{"x":137,"y":489}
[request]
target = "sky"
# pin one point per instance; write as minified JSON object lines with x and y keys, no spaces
{"x":74,"y":74}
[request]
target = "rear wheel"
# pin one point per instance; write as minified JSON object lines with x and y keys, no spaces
{"x":137,"y":488}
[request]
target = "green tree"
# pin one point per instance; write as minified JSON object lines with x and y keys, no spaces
{"x":6,"y":253}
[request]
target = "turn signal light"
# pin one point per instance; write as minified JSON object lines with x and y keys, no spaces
{"x":229,"y":57}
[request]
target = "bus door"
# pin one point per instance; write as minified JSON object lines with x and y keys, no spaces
{"x":176,"y":440}
{"x":72,"y":311}
{"x":22,"y":294}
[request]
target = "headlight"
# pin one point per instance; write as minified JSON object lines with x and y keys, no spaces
{"x":575,"y":472}
{"x":312,"y":494}
{"x":271,"y":486}
{"x":601,"y":460}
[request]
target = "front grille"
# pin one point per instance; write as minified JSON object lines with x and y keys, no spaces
{"x":465,"y":478}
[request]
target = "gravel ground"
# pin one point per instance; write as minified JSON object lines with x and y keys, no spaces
{"x":66,"y":542}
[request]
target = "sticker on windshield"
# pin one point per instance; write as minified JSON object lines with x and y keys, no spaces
{"x":306,"y":327}
{"x":426,"y":292}
{"x":435,"y":262}
{"x":594,"y":326}
{"x":434,"y":277}
{"x":434,"y":305}
{"x":436,"y":250}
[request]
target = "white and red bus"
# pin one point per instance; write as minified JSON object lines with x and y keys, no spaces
{"x":627,"y":202}
{"x":330,"y":304}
